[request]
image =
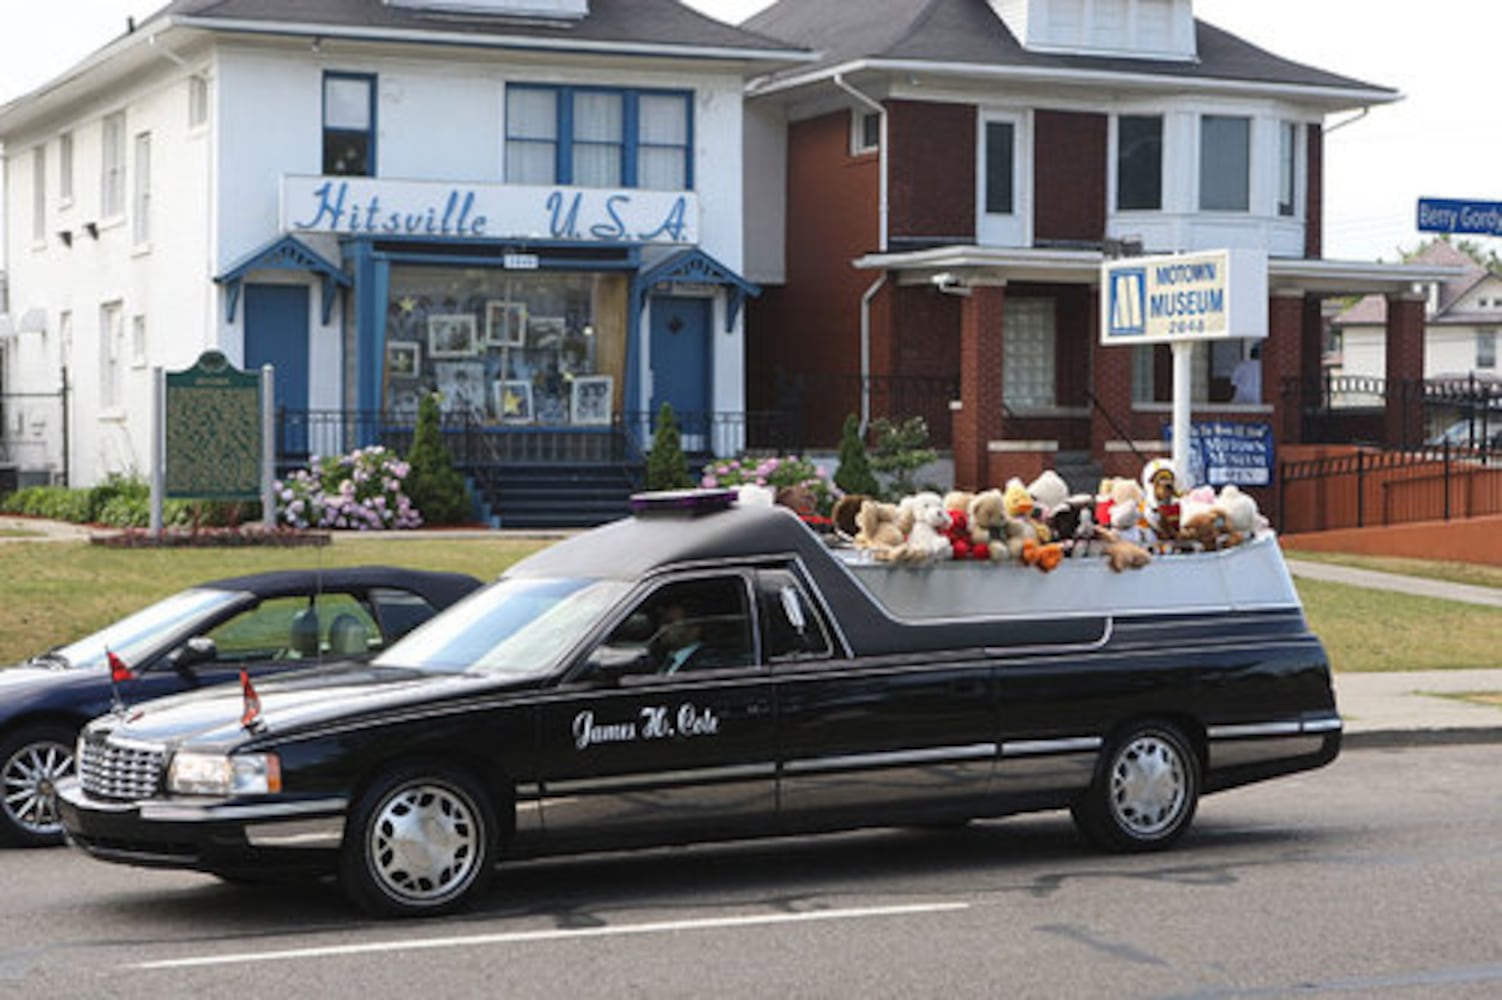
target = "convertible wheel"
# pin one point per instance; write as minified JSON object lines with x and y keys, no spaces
{"x":420,"y":841}
{"x":32,"y":761}
{"x":1145,"y":796}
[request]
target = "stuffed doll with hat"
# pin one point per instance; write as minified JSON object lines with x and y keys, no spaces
{"x":1160,"y":487}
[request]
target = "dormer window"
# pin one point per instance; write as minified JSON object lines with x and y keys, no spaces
{"x":569,"y":10}
{"x":1139,"y":29}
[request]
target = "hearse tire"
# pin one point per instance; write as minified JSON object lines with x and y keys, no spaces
{"x":420,"y":841}
{"x":32,"y":759}
{"x":1145,"y":791}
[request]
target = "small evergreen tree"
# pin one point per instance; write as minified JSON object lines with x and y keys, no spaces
{"x":854,"y":474}
{"x":901,"y":450}
{"x":666,"y":468}
{"x":434,"y":486}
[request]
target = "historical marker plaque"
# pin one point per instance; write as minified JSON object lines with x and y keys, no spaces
{"x":213,"y":431}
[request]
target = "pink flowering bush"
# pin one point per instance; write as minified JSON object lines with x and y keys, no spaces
{"x":778,"y":470}
{"x":361,"y":491}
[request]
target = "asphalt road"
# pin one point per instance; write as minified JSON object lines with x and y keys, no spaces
{"x":1379,"y":876}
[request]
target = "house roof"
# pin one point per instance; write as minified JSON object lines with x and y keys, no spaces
{"x":635,"y":28}
{"x":1372,"y":309}
{"x":656,"y":22}
{"x":969,"y":34}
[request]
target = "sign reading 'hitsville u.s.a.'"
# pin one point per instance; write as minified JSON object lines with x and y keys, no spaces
{"x":366,"y":206}
{"x":1212,"y":295}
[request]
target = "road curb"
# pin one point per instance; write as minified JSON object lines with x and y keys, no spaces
{"x":1389,"y":738}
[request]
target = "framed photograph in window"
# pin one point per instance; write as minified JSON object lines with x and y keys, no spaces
{"x":452,"y":335}
{"x":505,"y":323}
{"x":403,"y":359}
{"x":590,"y":399}
{"x":461,"y":388}
{"x":547,"y":331}
{"x":513,"y":400}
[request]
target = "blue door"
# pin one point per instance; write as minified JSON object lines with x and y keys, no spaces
{"x":276,"y":333}
{"x":680,"y":363}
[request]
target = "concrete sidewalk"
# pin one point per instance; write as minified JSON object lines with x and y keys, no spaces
{"x":1417,"y":585}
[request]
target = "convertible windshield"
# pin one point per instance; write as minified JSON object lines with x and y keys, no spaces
{"x":134,"y":638}
{"x":514,"y":626}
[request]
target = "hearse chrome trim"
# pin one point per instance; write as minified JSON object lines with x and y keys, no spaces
{"x":1030,"y":748}
{"x":1328,"y":724}
{"x":670,"y":779}
{"x":306,"y":834}
{"x":898,"y":758}
{"x":1291,"y":727}
{"x":187,"y":812}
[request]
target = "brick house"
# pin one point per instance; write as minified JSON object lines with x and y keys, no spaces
{"x":930,"y":203}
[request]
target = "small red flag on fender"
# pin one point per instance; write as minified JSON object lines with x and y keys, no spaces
{"x":252,"y":710}
{"x":118,"y":670}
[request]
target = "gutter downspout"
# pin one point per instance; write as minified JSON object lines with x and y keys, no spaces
{"x":866,"y":350}
{"x":881,"y":214}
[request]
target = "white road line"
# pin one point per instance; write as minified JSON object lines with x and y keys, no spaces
{"x":528,"y":937}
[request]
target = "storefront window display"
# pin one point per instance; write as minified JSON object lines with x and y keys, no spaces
{"x":506,"y":348}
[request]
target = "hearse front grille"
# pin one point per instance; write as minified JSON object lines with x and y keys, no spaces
{"x":123,"y":772}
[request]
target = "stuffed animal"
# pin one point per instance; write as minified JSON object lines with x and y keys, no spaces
{"x":1202,"y":522}
{"x":1049,"y":492}
{"x":988,"y":526}
{"x":846,"y":512}
{"x":1122,"y":554}
{"x":1160,"y":487}
{"x":877,"y":528}
{"x":1242,"y":516}
{"x":1024,"y":541}
{"x":957,"y":506}
{"x":1128,"y":514}
{"x":1065,"y":521}
{"x":925,"y":524}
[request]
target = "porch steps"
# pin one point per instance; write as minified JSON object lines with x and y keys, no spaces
{"x":556,"y":495}
{"x":1082,"y":472}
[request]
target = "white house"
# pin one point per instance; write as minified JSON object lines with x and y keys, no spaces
{"x":533,"y":205}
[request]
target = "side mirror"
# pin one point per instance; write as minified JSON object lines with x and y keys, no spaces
{"x":608,"y":664}
{"x":199,"y":649}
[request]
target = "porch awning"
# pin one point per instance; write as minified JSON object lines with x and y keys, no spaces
{"x":285,"y":253}
{"x":694,"y":266}
{"x":964,"y":264}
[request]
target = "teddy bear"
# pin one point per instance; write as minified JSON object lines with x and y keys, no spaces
{"x":877,"y":528}
{"x":1128,"y":516}
{"x":1122,"y":554}
{"x":987,"y":515}
{"x":925,"y":525}
{"x":1242,"y":516}
{"x":1202,"y":521}
{"x":1025,"y":542}
{"x":1049,"y":493}
{"x":846,"y":513}
{"x":1161,"y":489}
{"x":957,"y":506}
{"x":1068,"y":521}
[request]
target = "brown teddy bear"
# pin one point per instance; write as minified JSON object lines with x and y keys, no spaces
{"x":877,"y":528}
{"x":988,"y":526}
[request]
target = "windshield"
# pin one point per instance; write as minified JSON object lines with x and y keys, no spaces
{"x":514,"y":626}
{"x":135,"y":638}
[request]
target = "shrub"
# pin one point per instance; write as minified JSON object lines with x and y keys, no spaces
{"x":435,"y":486}
{"x":900,"y":451}
{"x":854,"y":474}
{"x":666,"y":468}
{"x":361,"y":491}
{"x":774,"y":472}
{"x":57,"y":503}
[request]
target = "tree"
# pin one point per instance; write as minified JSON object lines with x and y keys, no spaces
{"x":854,"y":474}
{"x":434,"y":486}
{"x":901,"y":450}
{"x":666,"y":468}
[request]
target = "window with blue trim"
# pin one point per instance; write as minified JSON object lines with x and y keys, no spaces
{"x":349,"y":124}
{"x":599,"y":137}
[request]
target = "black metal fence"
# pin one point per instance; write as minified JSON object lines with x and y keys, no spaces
{"x":1353,"y":409}
{"x":811,"y":407}
{"x":34,"y":436}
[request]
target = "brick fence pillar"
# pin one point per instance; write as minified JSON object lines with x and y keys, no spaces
{"x":1282,"y":364}
{"x":978,"y":421}
{"x":1403,"y":423}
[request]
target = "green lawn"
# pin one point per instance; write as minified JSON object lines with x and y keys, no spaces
{"x":55,"y":592}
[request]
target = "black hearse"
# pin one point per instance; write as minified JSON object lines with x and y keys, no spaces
{"x":692,"y":674}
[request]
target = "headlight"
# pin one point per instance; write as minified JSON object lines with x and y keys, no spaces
{"x":217,"y":774}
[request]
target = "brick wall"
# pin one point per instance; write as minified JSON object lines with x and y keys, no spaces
{"x":978,"y":421}
{"x":1314,"y":212}
{"x":1069,"y":176}
{"x":931,"y":164}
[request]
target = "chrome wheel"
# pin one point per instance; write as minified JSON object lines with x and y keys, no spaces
{"x":29,"y":775}
{"x":1144,"y":793}
{"x":1148,"y":785}
{"x":420,"y":842}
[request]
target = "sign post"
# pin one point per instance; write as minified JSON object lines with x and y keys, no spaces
{"x":1181,"y":300}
